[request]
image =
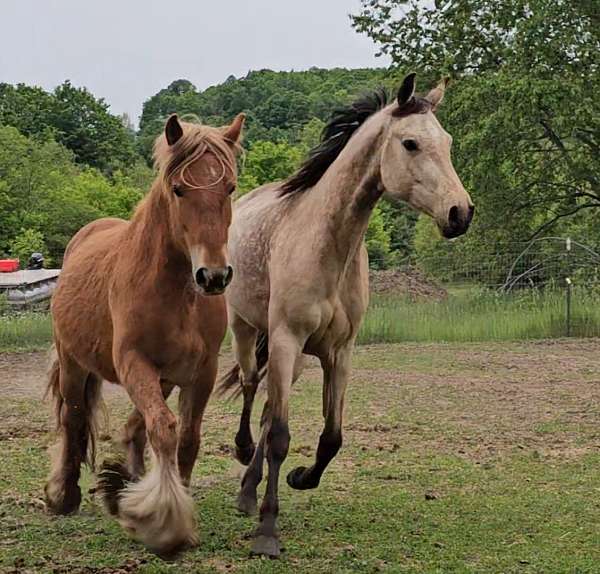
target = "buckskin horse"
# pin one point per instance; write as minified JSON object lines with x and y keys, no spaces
{"x":301,"y":283}
{"x":140,"y":304}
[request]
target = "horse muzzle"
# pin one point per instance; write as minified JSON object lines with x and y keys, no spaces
{"x":459,"y":219}
{"x":213,"y":281}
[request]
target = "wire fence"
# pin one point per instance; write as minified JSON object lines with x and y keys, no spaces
{"x":549,"y":287}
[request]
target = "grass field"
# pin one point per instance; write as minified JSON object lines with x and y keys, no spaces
{"x":458,"y":458}
{"x":467,"y":315}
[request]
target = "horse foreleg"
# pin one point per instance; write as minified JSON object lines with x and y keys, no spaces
{"x":158,"y":509}
{"x":135,"y":438}
{"x":335,"y":378}
{"x":284,"y":352}
{"x":192,"y":402}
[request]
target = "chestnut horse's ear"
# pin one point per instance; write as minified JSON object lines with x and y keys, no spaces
{"x":436,"y":95}
{"x":407,"y":89}
{"x":173,"y":130}
{"x":234,"y":131}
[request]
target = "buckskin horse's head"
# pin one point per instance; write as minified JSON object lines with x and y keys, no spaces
{"x":416,"y":166}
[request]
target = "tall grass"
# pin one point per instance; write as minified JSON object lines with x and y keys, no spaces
{"x":467,"y":315}
{"x":481,"y":315}
{"x":25,"y":331}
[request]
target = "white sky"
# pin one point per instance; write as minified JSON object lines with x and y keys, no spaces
{"x":127,"y":50}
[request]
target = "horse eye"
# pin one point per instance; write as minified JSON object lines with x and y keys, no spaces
{"x":410,"y":145}
{"x":177,"y":190}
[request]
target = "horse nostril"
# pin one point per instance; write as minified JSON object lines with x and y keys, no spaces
{"x":228,"y":276}
{"x":453,"y":216}
{"x":202,"y":277}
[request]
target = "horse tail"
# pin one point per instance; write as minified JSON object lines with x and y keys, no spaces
{"x":53,"y":386}
{"x":231,"y":384}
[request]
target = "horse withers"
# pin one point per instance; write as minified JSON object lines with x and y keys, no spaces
{"x":302,"y":284}
{"x":141,"y":304}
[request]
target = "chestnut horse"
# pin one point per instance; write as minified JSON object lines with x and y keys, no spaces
{"x":301,"y":283}
{"x":140,"y":304}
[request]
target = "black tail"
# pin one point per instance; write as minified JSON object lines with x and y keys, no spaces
{"x":231,"y":383}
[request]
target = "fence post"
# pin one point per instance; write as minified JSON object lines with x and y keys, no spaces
{"x":569,"y":283}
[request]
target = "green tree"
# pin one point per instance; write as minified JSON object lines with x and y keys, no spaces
{"x":27,"y":242}
{"x":267,"y":161}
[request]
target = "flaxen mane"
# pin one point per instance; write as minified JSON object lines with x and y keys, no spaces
{"x":195,"y":142}
{"x":337,"y":133}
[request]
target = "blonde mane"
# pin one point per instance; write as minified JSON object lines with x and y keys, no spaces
{"x":196,"y":140}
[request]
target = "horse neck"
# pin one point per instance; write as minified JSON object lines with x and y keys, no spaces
{"x":151,"y":238}
{"x":346,"y":195}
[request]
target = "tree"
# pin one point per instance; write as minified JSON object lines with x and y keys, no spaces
{"x":74,"y":118}
{"x":43,"y":193}
{"x":524,"y":110}
{"x":536,"y":36}
{"x":84,"y":125}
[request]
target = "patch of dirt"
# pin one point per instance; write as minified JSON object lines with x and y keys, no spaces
{"x":406,"y":281}
{"x":477,"y":401}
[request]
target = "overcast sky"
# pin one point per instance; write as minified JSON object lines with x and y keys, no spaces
{"x":127,"y":50}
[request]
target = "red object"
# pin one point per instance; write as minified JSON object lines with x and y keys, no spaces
{"x":9,"y":265}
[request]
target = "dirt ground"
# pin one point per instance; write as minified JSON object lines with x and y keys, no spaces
{"x":485,"y":397}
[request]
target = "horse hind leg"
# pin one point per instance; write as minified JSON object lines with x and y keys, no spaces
{"x":245,"y":340}
{"x":76,"y":395}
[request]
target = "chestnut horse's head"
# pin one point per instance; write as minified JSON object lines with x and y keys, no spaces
{"x":415,"y":162}
{"x":197,"y":169}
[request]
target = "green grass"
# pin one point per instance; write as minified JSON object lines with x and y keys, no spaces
{"x":25,"y":331}
{"x":412,"y":490}
{"x":474,"y":315}
{"x":468,"y":314}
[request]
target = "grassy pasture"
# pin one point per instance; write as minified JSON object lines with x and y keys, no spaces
{"x":469,"y":314}
{"x":466,"y":458}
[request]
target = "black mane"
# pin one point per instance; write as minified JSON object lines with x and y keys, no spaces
{"x":338,"y":131}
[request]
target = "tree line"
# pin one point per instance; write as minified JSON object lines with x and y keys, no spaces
{"x":523,"y":108}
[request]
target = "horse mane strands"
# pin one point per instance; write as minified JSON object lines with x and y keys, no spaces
{"x":196,"y":140}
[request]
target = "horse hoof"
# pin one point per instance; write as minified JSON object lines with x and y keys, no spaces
{"x":300,"y":479}
{"x":244,"y":453}
{"x":66,"y":503}
{"x":247,"y":505}
{"x":266,"y":546}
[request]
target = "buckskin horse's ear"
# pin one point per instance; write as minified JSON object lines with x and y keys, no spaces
{"x":407,"y":89}
{"x":436,"y":95}
{"x":173,"y":130}
{"x":234,"y":130}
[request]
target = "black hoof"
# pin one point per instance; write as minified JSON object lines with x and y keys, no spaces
{"x":112,"y":479}
{"x":266,"y":546}
{"x":245,"y":453}
{"x":247,"y":504}
{"x":68,"y":504}
{"x":301,"y":478}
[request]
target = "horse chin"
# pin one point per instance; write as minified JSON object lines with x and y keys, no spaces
{"x":205,"y":293}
